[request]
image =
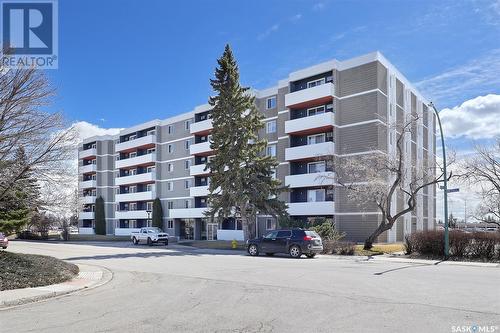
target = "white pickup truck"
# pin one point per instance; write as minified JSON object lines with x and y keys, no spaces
{"x":149,"y":235}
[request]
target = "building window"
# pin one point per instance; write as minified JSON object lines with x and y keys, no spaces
{"x":271,"y":150}
{"x":170,"y":149}
{"x":316,"y":195}
{"x":170,"y":167}
{"x":271,"y":102}
{"x":170,"y":224}
{"x":170,"y":186}
{"x":270,"y":224}
{"x":315,"y":83}
{"x":271,"y":126}
{"x":149,"y":205}
{"x":187,"y":144}
{"x":187,"y":124}
{"x":315,"y":167}
{"x":187,"y":164}
{"x":149,"y":187}
{"x":187,"y":183}
{"x":316,"y":110}
{"x":314,"y":139}
{"x":187,"y":204}
{"x":170,"y":204}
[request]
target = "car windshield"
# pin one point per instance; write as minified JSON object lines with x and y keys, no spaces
{"x":2,"y":235}
{"x":312,"y":233}
{"x":154,"y":230}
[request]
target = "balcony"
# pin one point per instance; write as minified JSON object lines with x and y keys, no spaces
{"x":310,"y":179}
{"x":198,"y":191}
{"x":136,"y":179}
{"x":310,"y":96}
{"x":309,"y":125}
{"x":311,"y":208}
{"x":88,"y":184}
{"x":202,"y":148}
{"x":138,"y":160}
{"x":89,"y":199}
{"x":137,"y":196}
{"x":145,"y":141}
{"x":85,"y":154}
{"x":131,"y":214}
{"x":309,"y":151}
{"x":87,"y":168}
{"x":187,"y":213}
{"x":198,"y":170}
{"x":86,"y":216}
{"x":201,"y":127}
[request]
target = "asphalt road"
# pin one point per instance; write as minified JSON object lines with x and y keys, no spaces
{"x":180,"y":290}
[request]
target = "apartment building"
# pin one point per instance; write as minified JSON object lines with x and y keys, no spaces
{"x":336,"y":108}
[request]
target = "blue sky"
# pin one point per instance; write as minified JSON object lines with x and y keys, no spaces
{"x":125,"y":62}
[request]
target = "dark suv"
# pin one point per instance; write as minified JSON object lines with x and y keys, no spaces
{"x":294,"y":242}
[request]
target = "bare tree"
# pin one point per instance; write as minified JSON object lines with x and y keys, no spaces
{"x":47,"y":141}
{"x":483,"y":170}
{"x":377,"y":179}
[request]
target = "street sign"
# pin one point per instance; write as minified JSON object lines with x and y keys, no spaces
{"x":451,"y":190}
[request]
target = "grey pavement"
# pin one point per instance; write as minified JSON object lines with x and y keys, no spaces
{"x":180,"y":289}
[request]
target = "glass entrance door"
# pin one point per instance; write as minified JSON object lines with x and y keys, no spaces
{"x":212,"y":231}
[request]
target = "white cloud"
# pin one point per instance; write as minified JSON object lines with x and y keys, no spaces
{"x":477,"y":118}
{"x":476,"y":77}
{"x":86,"y":130}
{"x":319,"y":6}
{"x":268,"y":32}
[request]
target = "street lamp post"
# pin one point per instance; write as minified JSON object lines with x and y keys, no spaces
{"x":445,"y":188}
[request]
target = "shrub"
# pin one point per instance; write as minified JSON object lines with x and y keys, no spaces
{"x":327,"y":231}
{"x":477,"y":245}
{"x":344,"y":248}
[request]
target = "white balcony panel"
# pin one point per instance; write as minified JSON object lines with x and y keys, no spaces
{"x":142,"y":141}
{"x":309,"y":94}
{"x":87,"y":153}
{"x":89,"y":199}
{"x":311,"y":208}
{"x":86,"y":231}
{"x":309,"y":151}
{"x":135,"y":179}
{"x":310,"y":179}
{"x":126,"y":231}
{"x":199,"y":148}
{"x":198,"y":191}
{"x":87,"y":168}
{"x":131,"y":214}
{"x":88,"y":184}
{"x":230,"y":235}
{"x":309,"y":123}
{"x":139,"y":160}
{"x":186,"y":213}
{"x":138,"y":196}
{"x":86,"y":215}
{"x":199,"y":169}
{"x":201,"y":126}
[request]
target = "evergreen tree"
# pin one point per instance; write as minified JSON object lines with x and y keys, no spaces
{"x":157,"y":214}
{"x":100,"y":218}
{"x":23,"y":197}
{"x":240,"y":169}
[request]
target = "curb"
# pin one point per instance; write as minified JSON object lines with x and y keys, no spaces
{"x":89,"y":277}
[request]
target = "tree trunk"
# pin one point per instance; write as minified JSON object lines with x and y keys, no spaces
{"x":373,"y":237}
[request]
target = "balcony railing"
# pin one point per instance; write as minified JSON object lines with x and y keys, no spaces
{"x":202,"y":148}
{"x":310,"y":179}
{"x":136,"y":179}
{"x":132,"y":214}
{"x":201,"y":127}
{"x":198,"y":170}
{"x":87,"y":153}
{"x":311,"y":208}
{"x":312,"y":124}
{"x":136,"y":196}
{"x":87,"y":168}
{"x":86,"y":215}
{"x":138,"y":160}
{"x":309,"y":151}
{"x":148,"y":140}
{"x":88,"y":184}
{"x":187,"y":213}
{"x":315,"y":95}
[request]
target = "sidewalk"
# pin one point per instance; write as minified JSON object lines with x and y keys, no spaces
{"x":88,"y":277}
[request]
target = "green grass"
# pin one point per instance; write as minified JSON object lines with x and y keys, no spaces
{"x":28,"y":270}
{"x":380,"y":248}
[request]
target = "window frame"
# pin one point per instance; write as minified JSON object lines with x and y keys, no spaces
{"x":273,"y":105}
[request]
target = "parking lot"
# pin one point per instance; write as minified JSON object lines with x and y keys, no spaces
{"x":182,"y":289}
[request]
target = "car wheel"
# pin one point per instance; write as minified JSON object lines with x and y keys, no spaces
{"x":311,"y":255}
{"x":269,"y":254}
{"x":253,"y":250}
{"x":4,"y":247}
{"x":295,"y":251}
{"x":135,"y":241}
{"x":150,"y":242}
